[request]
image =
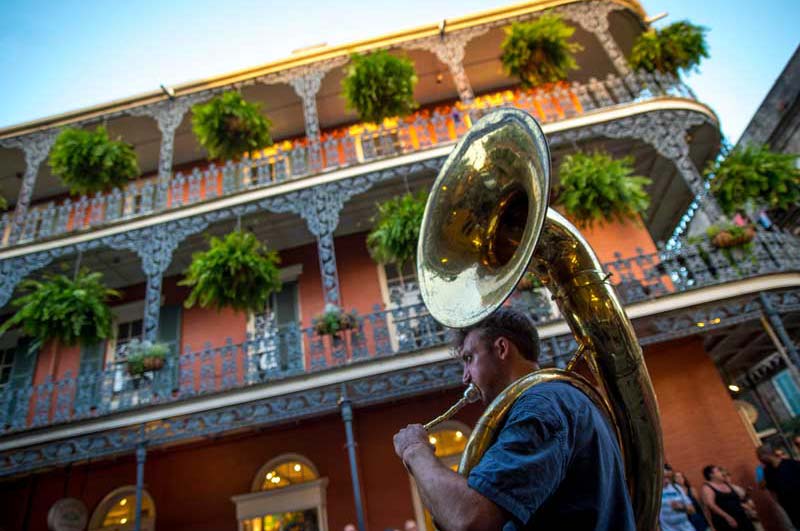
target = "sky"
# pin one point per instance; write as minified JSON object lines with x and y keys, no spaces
{"x":63,"y":55}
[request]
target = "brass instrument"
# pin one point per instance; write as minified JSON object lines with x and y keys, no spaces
{"x":486,"y":224}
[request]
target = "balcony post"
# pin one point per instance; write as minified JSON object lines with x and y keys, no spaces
{"x":306,"y":87}
{"x":141,"y":454}
{"x":168,"y":114}
{"x":36,"y":147}
{"x":449,"y":49}
{"x":593,"y":18}
{"x":154,"y":245}
{"x":347,"y":418}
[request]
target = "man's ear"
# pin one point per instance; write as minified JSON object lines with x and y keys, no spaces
{"x":502,"y":347}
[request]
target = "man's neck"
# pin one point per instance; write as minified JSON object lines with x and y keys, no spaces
{"x":521,"y":369}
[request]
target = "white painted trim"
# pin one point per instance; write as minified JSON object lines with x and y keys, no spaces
{"x":590,"y":118}
{"x":309,"y":495}
{"x":377,"y":367}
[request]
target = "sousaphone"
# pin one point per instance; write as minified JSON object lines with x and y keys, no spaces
{"x":486,"y":224}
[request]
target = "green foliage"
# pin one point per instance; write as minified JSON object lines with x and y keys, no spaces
{"x":333,"y":320}
{"x":142,"y":353}
{"x":237,"y":271}
{"x":598,"y":187}
{"x":228,"y":126}
{"x":70,"y":311}
{"x":380,"y":85}
{"x":679,"y":46}
{"x":394,"y":237}
{"x":3,"y":203}
{"x":90,"y":162}
{"x":756,"y":174}
{"x":539,"y":52}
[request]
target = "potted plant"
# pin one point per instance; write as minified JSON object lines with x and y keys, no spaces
{"x":679,"y":46}
{"x":237,"y":271}
{"x":395,"y":233}
{"x":755,"y":174}
{"x":379,"y":85}
{"x":727,"y":235}
{"x":71,"y":311}
{"x":333,"y":320}
{"x":596,"y":187}
{"x":228,"y":126}
{"x":540,"y":51}
{"x":89,"y":161}
{"x":145,"y":356}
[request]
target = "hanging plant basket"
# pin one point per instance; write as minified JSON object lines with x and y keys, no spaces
{"x":395,"y":235}
{"x":89,"y":161}
{"x":380,"y":85}
{"x":145,"y":356}
{"x":228,"y":126}
{"x":69,"y":311}
{"x":755,"y":174}
{"x":727,"y":235}
{"x":596,"y":187}
{"x":677,"y":47}
{"x":333,"y":320}
{"x":539,"y":52}
{"x":237,"y":271}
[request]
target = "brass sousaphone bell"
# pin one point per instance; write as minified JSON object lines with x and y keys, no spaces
{"x":486,"y":224}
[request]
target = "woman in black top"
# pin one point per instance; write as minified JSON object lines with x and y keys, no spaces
{"x":724,"y":505}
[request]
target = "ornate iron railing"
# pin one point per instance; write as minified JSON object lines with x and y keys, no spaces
{"x":337,"y":149}
{"x":279,"y":353}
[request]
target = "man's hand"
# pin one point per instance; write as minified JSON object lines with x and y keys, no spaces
{"x":412,"y":437}
{"x":731,"y":522}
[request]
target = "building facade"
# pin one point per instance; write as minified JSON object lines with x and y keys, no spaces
{"x":256,"y":422}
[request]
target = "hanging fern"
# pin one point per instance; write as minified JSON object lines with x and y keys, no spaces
{"x":394,"y":237}
{"x":679,"y":46}
{"x":237,"y":271}
{"x":70,"y":311}
{"x":89,"y":162}
{"x":228,"y":126}
{"x":754,"y":173}
{"x":598,"y":187}
{"x":539,"y":52}
{"x":380,"y":85}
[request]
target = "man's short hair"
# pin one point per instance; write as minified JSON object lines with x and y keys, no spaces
{"x":708,"y":470}
{"x":765,"y":450}
{"x":506,"y":322}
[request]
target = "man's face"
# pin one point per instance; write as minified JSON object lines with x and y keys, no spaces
{"x":482,"y":366}
{"x":667,"y":475}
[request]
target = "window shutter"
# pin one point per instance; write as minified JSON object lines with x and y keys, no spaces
{"x":24,"y":364}
{"x":169,"y":332}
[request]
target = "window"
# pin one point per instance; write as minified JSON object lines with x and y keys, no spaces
{"x":287,"y":494}
{"x":6,"y":364}
{"x":410,"y":325}
{"x":117,"y":511}
{"x":787,"y":389}
{"x":449,"y":439}
{"x":275,"y":345}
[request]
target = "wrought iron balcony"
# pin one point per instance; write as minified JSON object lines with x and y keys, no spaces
{"x":274,"y":353}
{"x":343,"y":148}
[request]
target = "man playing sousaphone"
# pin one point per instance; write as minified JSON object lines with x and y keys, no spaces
{"x":555,"y":464}
{"x":554,"y":449}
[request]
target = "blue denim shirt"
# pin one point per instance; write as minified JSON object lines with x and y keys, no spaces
{"x":555,"y":464}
